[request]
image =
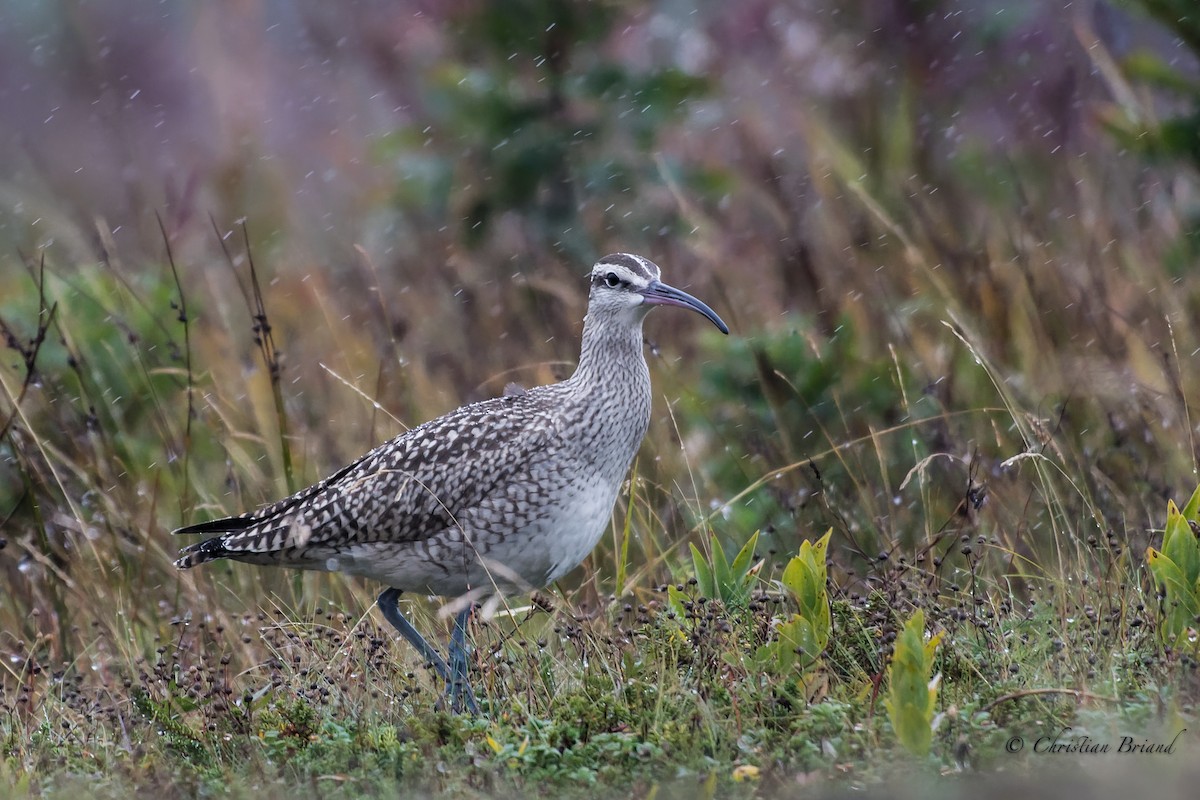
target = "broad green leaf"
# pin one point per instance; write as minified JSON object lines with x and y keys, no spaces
{"x":1182,"y":602}
{"x":821,"y":549}
{"x":804,"y":575}
{"x":720,"y":568}
{"x":804,"y":579}
{"x":912,"y":728}
{"x":1176,"y":571}
{"x":932,"y":645}
{"x":676,"y":600}
{"x":1191,"y":511}
{"x":798,"y":578}
{"x":912,"y":693}
{"x":801,"y":639}
{"x":741,"y":562}
{"x":798,"y":642}
{"x":1181,"y":545}
{"x":719,"y":579}
{"x":767,"y":658}
{"x":704,"y":575}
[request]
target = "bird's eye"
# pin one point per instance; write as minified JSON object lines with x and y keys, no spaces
{"x":611,"y":280}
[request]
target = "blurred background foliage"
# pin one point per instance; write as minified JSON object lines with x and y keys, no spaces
{"x":947,"y":233}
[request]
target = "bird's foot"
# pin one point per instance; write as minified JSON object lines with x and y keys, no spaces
{"x":458,"y":688}
{"x":461,"y":697}
{"x":458,"y":685}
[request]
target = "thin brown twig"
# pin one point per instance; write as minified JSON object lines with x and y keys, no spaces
{"x":187,"y":360}
{"x":1079,"y":694}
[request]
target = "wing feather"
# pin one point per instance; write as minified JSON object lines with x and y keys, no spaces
{"x":408,"y":488}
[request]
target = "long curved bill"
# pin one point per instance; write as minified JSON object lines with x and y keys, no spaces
{"x":660,"y":294}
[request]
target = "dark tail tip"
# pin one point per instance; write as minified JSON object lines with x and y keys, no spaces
{"x":223,"y":525}
{"x":200,"y":552}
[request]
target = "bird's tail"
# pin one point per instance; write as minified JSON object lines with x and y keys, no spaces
{"x":210,"y":549}
{"x":201,"y":553}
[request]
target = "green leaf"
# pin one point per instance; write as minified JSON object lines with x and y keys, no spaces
{"x":799,"y":579}
{"x":912,"y":729}
{"x":1191,"y":511}
{"x":1181,"y":545}
{"x":1176,"y":571}
{"x":802,"y":640}
{"x":720,"y":568}
{"x":704,"y":575}
{"x":676,"y":599}
{"x":719,"y":579}
{"x":741,"y":562}
{"x":804,"y":579}
{"x":912,"y":692}
{"x":797,"y":642}
{"x":1182,"y":602}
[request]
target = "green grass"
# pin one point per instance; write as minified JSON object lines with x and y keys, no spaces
{"x":1017,"y":527}
{"x":976,"y":368}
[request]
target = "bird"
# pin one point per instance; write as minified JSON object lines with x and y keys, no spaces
{"x":503,"y":495}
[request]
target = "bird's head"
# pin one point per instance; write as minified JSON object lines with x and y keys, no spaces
{"x":628,"y":286}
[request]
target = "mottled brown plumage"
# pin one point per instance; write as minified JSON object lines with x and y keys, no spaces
{"x":504,"y":495}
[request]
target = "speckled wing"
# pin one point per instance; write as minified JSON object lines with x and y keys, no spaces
{"x":409,"y":488}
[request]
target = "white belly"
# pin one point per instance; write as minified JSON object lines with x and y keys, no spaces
{"x":567,"y":534}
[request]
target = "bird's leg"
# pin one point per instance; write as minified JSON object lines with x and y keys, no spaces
{"x":388,"y":603}
{"x":460,"y":688}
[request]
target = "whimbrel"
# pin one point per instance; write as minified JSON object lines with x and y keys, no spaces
{"x":503,"y":495}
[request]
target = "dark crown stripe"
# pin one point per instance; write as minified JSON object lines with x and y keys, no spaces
{"x":635,"y":264}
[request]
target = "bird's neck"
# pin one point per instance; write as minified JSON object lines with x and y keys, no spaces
{"x":611,"y":354}
{"x":610,"y":390}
